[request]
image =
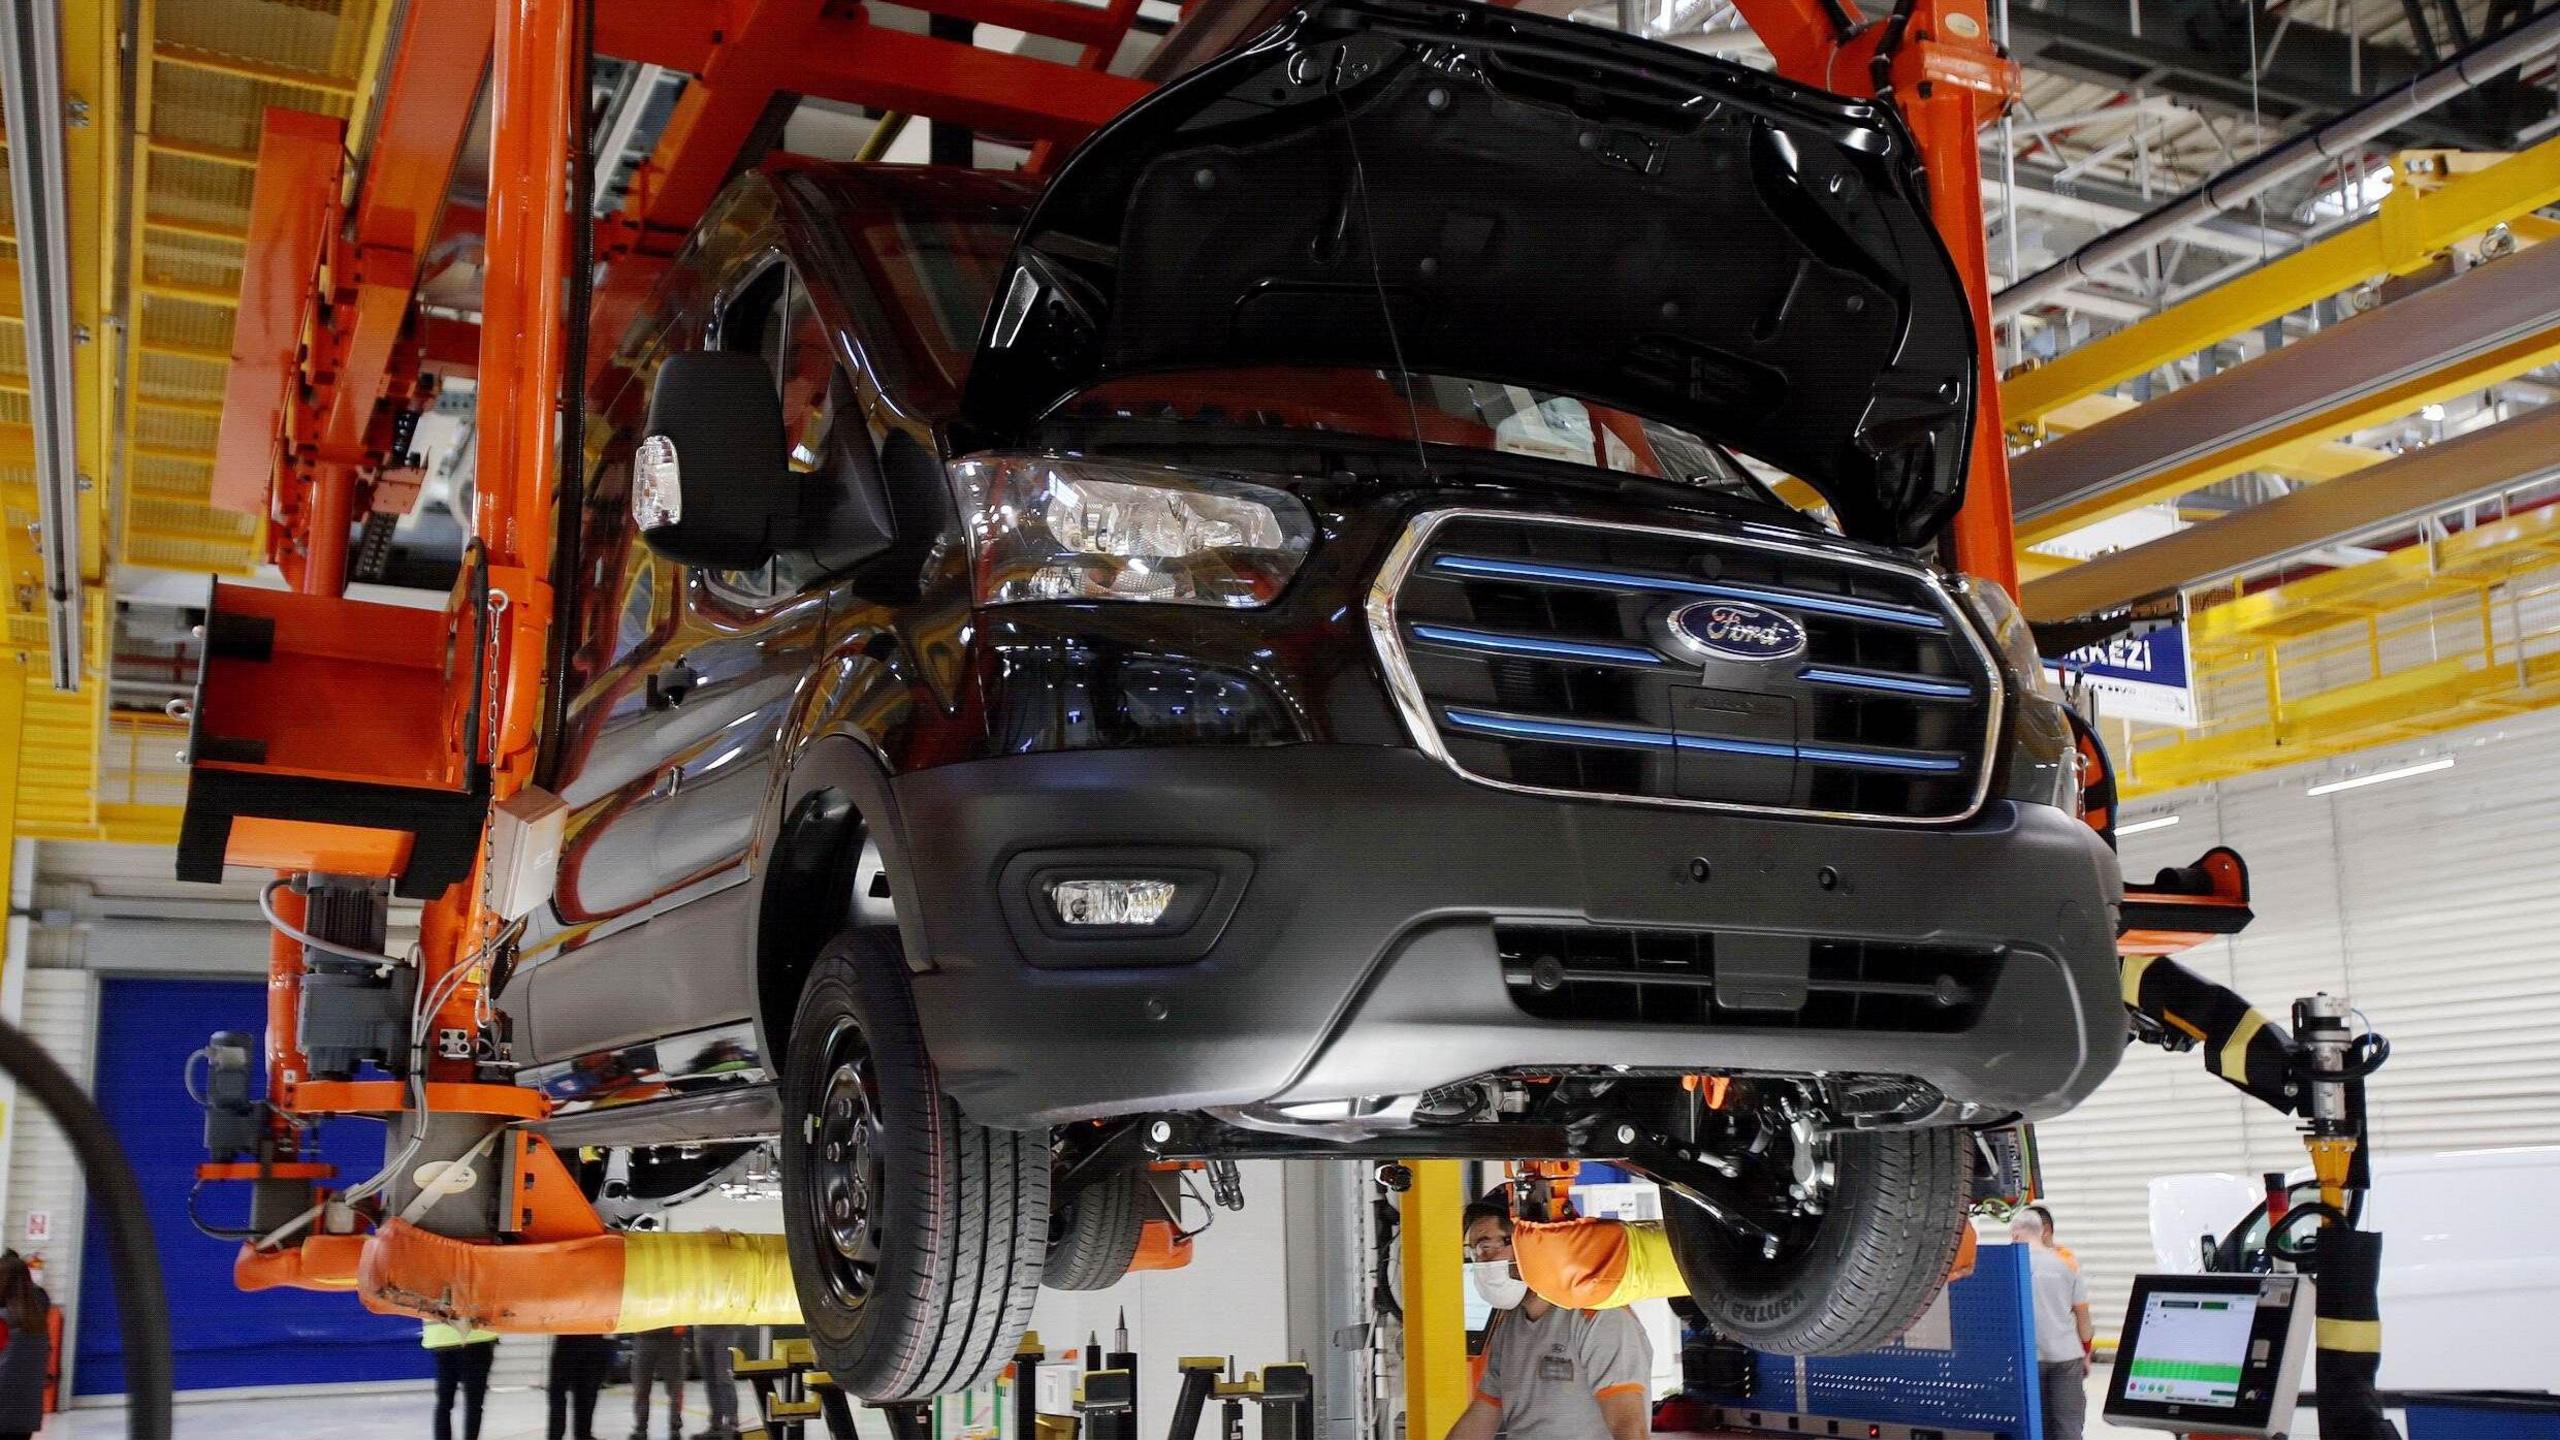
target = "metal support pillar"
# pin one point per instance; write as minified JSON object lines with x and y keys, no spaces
{"x":1435,"y":1326}
{"x":31,"y":95}
{"x":1937,"y":63}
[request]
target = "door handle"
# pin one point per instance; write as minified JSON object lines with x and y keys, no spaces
{"x":669,"y":684}
{"x":666,"y":785}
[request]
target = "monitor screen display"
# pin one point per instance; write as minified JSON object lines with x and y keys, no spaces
{"x":2215,"y":1353}
{"x":2195,"y":1348}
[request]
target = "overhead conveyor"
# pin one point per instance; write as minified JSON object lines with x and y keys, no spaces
{"x":2490,"y":323}
{"x":2410,"y":230}
{"x":2398,"y":491}
{"x":321,"y":423}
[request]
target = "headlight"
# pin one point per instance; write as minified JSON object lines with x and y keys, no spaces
{"x":2006,"y":627}
{"x":2041,"y":764}
{"x":1053,"y":529}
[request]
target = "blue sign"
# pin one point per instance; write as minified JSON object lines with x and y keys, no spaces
{"x":2138,"y":677}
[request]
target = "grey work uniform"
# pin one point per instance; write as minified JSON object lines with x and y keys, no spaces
{"x":1548,"y":1375}
{"x":2061,"y":1365}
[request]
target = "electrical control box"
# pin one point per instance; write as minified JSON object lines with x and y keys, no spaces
{"x":525,"y":831}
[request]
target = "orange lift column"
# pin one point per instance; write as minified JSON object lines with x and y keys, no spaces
{"x":1936,"y":62}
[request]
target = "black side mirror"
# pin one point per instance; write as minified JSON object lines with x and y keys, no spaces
{"x":711,"y":486}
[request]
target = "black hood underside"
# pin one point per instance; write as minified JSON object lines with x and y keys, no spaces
{"x":1444,"y":188}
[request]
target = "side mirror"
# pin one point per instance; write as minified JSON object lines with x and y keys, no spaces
{"x":710,"y":483}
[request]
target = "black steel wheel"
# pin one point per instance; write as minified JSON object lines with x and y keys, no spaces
{"x":844,"y":1201}
{"x":916,"y":1237}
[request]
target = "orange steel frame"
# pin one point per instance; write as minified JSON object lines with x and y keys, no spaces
{"x":331,"y":345}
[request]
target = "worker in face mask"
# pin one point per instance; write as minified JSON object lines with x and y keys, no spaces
{"x":1549,"y":1373}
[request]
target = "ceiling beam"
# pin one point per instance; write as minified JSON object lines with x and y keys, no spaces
{"x":2224,"y":238}
{"x":2398,"y":492}
{"x":2411,"y":231}
{"x":2200,"y":51}
{"x":2470,"y":332}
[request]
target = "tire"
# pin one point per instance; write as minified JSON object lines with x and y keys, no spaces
{"x":1094,"y":1233}
{"x":916,"y":1237}
{"x":1859,"y":1274}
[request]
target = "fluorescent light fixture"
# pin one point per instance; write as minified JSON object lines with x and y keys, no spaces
{"x":2397,"y":772}
{"x":2157,"y":822}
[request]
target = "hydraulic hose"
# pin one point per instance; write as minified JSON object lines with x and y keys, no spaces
{"x":142,"y":1302}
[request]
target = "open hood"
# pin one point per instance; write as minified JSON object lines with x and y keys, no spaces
{"x":1532,"y":202}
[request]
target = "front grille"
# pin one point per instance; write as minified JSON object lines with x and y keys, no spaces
{"x":1537,"y":653}
{"x":1620,"y":975}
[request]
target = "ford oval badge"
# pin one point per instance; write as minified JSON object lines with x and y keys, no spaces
{"x":1735,"y":630}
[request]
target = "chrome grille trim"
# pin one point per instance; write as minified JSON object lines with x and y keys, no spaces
{"x":1387,"y":634}
{"x":1602,"y":577}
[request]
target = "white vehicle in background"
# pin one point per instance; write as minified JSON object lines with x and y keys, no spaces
{"x":2470,"y":1259}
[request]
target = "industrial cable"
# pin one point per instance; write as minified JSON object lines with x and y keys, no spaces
{"x":142,"y":1304}
{"x":421,"y":1013}
{"x":2293,"y":1219}
{"x":1378,"y":278}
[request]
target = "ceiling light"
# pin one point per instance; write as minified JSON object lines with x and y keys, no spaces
{"x":2399,"y":772}
{"x":2157,"y":822}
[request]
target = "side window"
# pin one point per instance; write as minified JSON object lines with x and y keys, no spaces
{"x":844,"y":506}
{"x":638,"y":618}
{"x":813,"y":394}
{"x":808,"y":370}
{"x":755,"y":321}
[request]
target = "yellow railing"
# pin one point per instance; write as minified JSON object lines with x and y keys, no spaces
{"x":2424,"y":640}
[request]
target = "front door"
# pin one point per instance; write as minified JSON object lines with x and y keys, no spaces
{"x":669,"y":753}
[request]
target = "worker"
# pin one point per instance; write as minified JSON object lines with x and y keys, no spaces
{"x":25,"y":1347}
{"x":2065,"y":1338}
{"x":580,"y":1364}
{"x":711,"y":1347}
{"x":462,"y":1364}
{"x":1550,"y":1373}
{"x":657,"y":1357}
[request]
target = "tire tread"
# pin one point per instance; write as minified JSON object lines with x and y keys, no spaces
{"x":956,"y":1290}
{"x":1904,"y":1192}
{"x":1102,"y":1235}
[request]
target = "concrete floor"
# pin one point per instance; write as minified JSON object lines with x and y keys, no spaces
{"x":519,"y":1414}
{"x":513,"y":1414}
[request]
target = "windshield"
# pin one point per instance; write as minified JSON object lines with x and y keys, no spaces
{"x":1441,"y":409}
{"x":933,"y":249}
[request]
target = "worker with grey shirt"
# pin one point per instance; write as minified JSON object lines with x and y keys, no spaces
{"x":1549,"y":1373}
{"x":2063,"y":1332}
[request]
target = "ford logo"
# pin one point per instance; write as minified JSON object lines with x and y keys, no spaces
{"x":1734,"y":630}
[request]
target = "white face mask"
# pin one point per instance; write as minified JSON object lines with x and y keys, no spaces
{"x":1498,"y":1283}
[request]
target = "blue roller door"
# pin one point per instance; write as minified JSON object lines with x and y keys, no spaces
{"x":223,"y":1338}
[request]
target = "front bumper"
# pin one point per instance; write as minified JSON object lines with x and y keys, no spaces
{"x":1359,"y":958}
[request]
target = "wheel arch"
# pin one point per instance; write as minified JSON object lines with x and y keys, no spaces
{"x":835,"y":792}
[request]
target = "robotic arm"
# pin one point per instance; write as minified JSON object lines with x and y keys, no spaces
{"x":2316,"y":1071}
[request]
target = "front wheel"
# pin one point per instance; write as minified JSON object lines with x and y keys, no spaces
{"x":1848,"y":1278}
{"x":916,"y":1237}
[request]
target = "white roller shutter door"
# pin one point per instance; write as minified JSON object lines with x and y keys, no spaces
{"x":2433,"y":903}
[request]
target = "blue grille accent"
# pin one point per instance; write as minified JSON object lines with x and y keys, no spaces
{"x":1598,"y":579}
{"x":1542,"y":654}
{"x":1885,"y":684}
{"x":1536,"y":645}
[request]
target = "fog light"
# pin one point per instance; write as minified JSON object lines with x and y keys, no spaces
{"x":1111,"y":902}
